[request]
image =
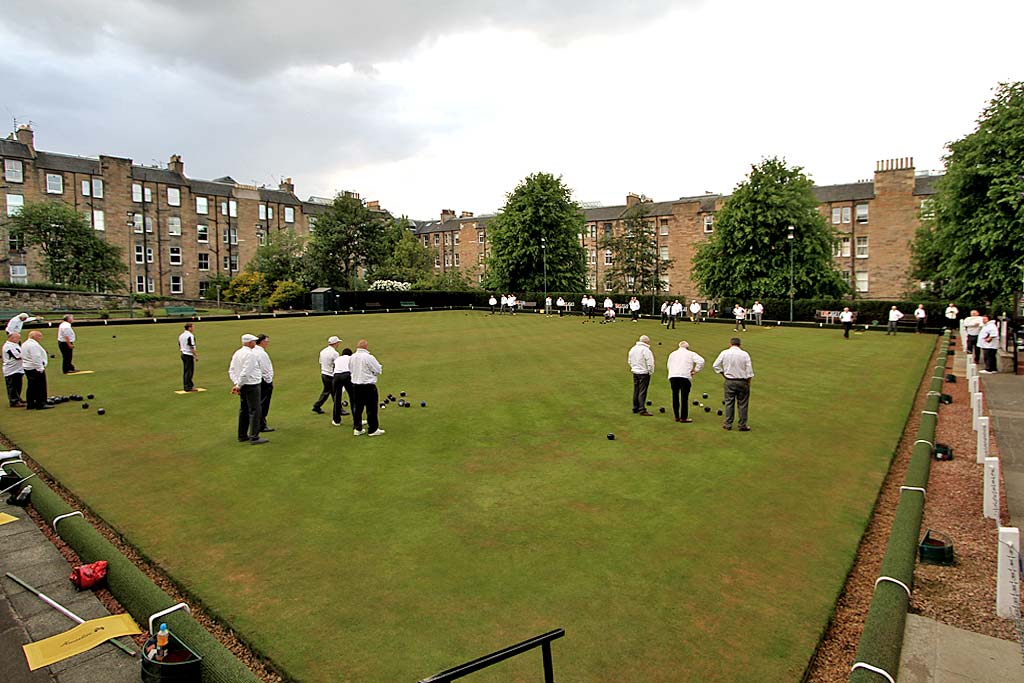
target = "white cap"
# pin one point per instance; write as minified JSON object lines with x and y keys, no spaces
{"x":246,"y":338}
{"x":333,"y":340}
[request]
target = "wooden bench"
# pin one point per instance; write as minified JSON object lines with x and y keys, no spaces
{"x":528,"y":304}
{"x":407,"y":304}
{"x":373,"y":304}
{"x":180,"y":310}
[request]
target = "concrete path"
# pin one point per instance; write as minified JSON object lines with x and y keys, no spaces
{"x":24,"y":618}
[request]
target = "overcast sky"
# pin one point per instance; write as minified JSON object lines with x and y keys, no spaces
{"x":448,"y":104}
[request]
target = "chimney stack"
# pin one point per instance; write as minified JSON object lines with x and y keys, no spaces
{"x":27,"y":137}
{"x":446,"y":214}
{"x":374,"y":205}
{"x":632,"y":199}
{"x":175,"y":165}
{"x":287,"y":185}
{"x":466,"y":214}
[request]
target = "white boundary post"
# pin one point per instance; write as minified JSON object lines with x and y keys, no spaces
{"x":972,"y":385}
{"x":991,"y":505}
{"x":983,"y":443}
{"x":1008,"y":577}
{"x":976,"y":405}
{"x":971,"y":370}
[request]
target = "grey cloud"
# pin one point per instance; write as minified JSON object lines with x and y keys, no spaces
{"x":251,"y":37}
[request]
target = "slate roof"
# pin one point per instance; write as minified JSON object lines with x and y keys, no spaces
{"x":14,"y":149}
{"x":279,"y":196}
{"x":603,"y":213}
{"x":210,"y":187}
{"x":67,"y":163}
{"x":848,"y":192}
{"x":926,"y":184}
{"x":157,"y":175}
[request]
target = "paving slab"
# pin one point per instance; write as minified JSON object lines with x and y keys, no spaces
{"x":934,"y":652}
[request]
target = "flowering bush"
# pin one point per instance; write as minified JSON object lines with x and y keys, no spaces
{"x":390,"y":286}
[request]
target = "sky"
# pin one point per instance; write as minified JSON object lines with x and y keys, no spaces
{"x":450,"y":104}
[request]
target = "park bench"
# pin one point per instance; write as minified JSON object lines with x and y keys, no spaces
{"x":180,"y":310}
{"x":528,"y":304}
{"x":831,"y":317}
{"x":407,"y":304}
{"x":373,"y":304}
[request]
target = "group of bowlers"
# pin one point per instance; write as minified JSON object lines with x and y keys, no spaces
{"x":25,"y":360}
{"x":733,"y":364}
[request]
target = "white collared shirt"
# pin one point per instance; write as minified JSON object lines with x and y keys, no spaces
{"x":894,"y":315}
{"x":266,"y":366}
{"x":734,"y":363}
{"x":989,"y":336}
{"x":973,"y":325}
{"x":65,"y":333}
{"x":341,"y":364}
{"x":846,"y":317}
{"x":187,"y":343}
{"x":695,"y":307}
{"x":684,"y":363}
{"x":16,"y":323}
{"x":641,"y":359}
{"x":244,"y":368}
{"x":739,"y":312}
{"x":758,"y":308}
{"x":504,"y":300}
{"x":608,"y":303}
{"x":492,"y":301}
{"x":920,"y":313}
{"x":676,"y":309}
{"x":560,"y":302}
{"x":952,"y":312}
{"x":327,"y":356}
{"x":33,"y":355}
{"x":364,"y":367}
{"x":12,"y":359}
{"x":634,"y":305}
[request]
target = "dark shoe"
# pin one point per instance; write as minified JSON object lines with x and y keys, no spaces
{"x":317,"y":411}
{"x":267,"y":429}
{"x":243,"y":439}
{"x":644,"y":413}
{"x":727,"y":427}
{"x":686,"y":420}
{"x":45,"y":407}
{"x":257,"y":442}
{"x":744,"y":428}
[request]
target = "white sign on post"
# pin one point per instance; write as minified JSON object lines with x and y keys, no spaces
{"x":976,"y":404}
{"x":983,"y":444}
{"x":1008,"y":576}
{"x":991,"y":505}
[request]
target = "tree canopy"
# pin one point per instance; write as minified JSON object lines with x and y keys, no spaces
{"x":348,"y":236}
{"x":72,"y":253}
{"x":748,"y":257}
{"x":635,"y":266}
{"x":541,"y":206}
{"x":409,"y":260}
{"x":971,"y":244}
{"x":280,"y":258}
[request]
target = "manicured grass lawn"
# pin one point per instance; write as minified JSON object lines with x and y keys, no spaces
{"x":674,"y":553}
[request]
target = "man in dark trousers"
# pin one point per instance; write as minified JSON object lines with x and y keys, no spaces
{"x":267,"y":379}
{"x":327,"y":356}
{"x":14,"y":371}
{"x":245,"y":375}
{"x":641,"y":364}
{"x":34,"y":360}
{"x":734,"y":364}
{"x":365,"y":370}
{"x":66,"y":343}
{"x":189,"y":355}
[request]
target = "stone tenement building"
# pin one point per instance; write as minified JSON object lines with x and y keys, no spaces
{"x":177,"y":232}
{"x":877,"y":220}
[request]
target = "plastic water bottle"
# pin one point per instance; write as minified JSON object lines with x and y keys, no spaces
{"x":162,"y":637}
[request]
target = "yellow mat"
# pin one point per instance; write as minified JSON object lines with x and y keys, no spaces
{"x":82,"y":372}
{"x":6,"y":518}
{"x":180,"y":391}
{"x":81,"y":638}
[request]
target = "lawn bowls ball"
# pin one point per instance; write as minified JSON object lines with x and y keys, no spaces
{"x":661,"y":409}
{"x":703,"y":395}
{"x":85,"y":406}
{"x":401,"y":393}
{"x":696,"y":402}
{"x":52,"y":356}
{"x":423,"y":404}
{"x":707,"y":409}
{"x":719,"y":412}
{"x":611,"y":437}
{"x":101,"y":411}
{"x":650,"y":403}
{"x":91,"y":396}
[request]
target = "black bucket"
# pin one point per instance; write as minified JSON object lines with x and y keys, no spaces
{"x":936,"y":548}
{"x":180,"y":665}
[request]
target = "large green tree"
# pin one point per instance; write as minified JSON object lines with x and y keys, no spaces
{"x":348,"y":236}
{"x":280,"y":258}
{"x":72,"y":253}
{"x":636,"y":268}
{"x":541,"y":206}
{"x":748,"y":255}
{"x":971,"y":244}
{"x":409,"y":260}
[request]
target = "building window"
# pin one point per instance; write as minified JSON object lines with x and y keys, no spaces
{"x":289,"y":214}
{"x":15,"y":202}
{"x":843,"y":248}
{"x":591,"y":282}
{"x":13,"y":170}
{"x":149,"y":254}
{"x":202,"y":234}
{"x":480,"y":258}
{"x":927,"y":209}
{"x":862,"y":282}
{"x":230,"y":236}
{"x":140,"y":254}
{"x":19,"y":274}
{"x":456,"y":258}
{"x":664,"y":253}
{"x":455,"y":239}
{"x":54,"y":183}
{"x":846,"y":215}
{"x":137,"y":222}
{"x":837,"y":216}
{"x":592,"y":257}
{"x":312,"y":224}
{"x":86,"y":188}
{"x":202,"y":206}
{"x":481,"y":236}
{"x":437,"y":261}
{"x":136,"y":192}
{"x":229,"y":208}
{"x":593,"y":232}
{"x":437,"y":238}
{"x":447,"y":238}
{"x":607,"y":229}
{"x":234,"y":262}
{"x":175,"y":256}
{"x":140,"y":283}
{"x":608,"y":257}
{"x":174,"y":196}
{"x":664,"y":226}
{"x":150,"y":285}
{"x":97,"y":188}
{"x":176,"y":284}
{"x":261,"y":236}
{"x":862,"y":247}
{"x":608,"y":286}
{"x":204,"y":287}
{"x":204,"y":261}
{"x":263,"y":212}
{"x":447,"y":260}
{"x":709,"y":223}
{"x":845,"y":274}
{"x":15,"y":242}
{"x":173,"y":225}
{"x":98,"y":220}
{"x":862,"y":213}
{"x":231,"y":262}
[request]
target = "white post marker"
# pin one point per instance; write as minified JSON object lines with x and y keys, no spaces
{"x":972,"y":369}
{"x":976,"y":404}
{"x":972,"y":385}
{"x":1008,"y":576}
{"x":991,"y":505}
{"x":983,"y":443}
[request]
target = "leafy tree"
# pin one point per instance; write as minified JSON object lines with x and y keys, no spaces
{"x":248,"y":288}
{"x":217,"y":285}
{"x":635,"y":266}
{"x":72,"y":254}
{"x":448,"y":281}
{"x":280,"y":258}
{"x":541,"y":206}
{"x":747,"y":257}
{"x":409,"y":260}
{"x":348,"y":236}
{"x":971,"y":244}
{"x":286,"y":294}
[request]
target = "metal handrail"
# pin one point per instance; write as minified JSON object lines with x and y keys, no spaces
{"x":543,"y":641}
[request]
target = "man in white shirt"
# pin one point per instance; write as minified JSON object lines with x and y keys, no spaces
{"x":560,"y":303}
{"x":608,"y":303}
{"x":634,"y":309}
{"x":246,"y":377}
{"x":365,"y":370}
{"x":14,"y":372}
{"x":846,"y":318}
{"x":327,"y":356}
{"x":591,"y":306}
{"x":492,"y":302}
{"x":758,"y":311}
{"x":740,"y":314}
{"x":921,"y":317}
{"x":894,"y":317}
{"x":641,"y":363}
{"x":512,"y":301}
{"x":266,"y":379}
{"x":695,"y":312}
{"x":66,"y":343}
{"x":988,"y":342}
{"x":952,"y":312}
{"x":665,"y":305}
{"x":972,"y":327}
{"x":504,"y":303}
{"x":34,"y":360}
{"x":342,"y":383}
{"x":15,"y":324}
{"x":189,"y":356}
{"x":675,"y":312}
{"x":547,"y":305}
{"x":683,"y":364}
{"x":734,"y":364}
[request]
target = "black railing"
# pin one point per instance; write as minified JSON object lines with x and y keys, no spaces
{"x":543,"y":641}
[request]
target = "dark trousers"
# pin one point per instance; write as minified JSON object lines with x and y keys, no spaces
{"x":846,"y":329}
{"x":634,"y":314}
{"x":35,"y":393}
{"x":891,"y":329}
{"x":991,"y":356}
{"x":364,"y":396}
{"x":972,"y":347}
{"x":14,"y":387}
{"x":266,"y":391}
{"x":920,"y":325}
{"x":740,"y":322}
{"x":640,"y":385}
{"x":590,"y":312}
{"x":328,"y":390}
{"x":66,"y":352}
{"x":695,"y":317}
{"x":680,"y":396}
{"x":952,"y":324}
{"x":188,"y":368}
{"x":249,"y":412}
{"x":671,"y":324}
{"x":737,"y":394}
{"x":757,"y":318}
{"x":342,"y":382}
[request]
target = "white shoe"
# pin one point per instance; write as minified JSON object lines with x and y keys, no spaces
{"x":358,"y":432}
{"x":379,"y":432}
{"x":336,"y":424}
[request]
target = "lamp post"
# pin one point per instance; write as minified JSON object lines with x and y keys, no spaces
{"x":792,"y":292}
{"x":544,"y":258}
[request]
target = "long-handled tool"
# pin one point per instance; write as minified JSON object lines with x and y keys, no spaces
{"x":64,"y":610}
